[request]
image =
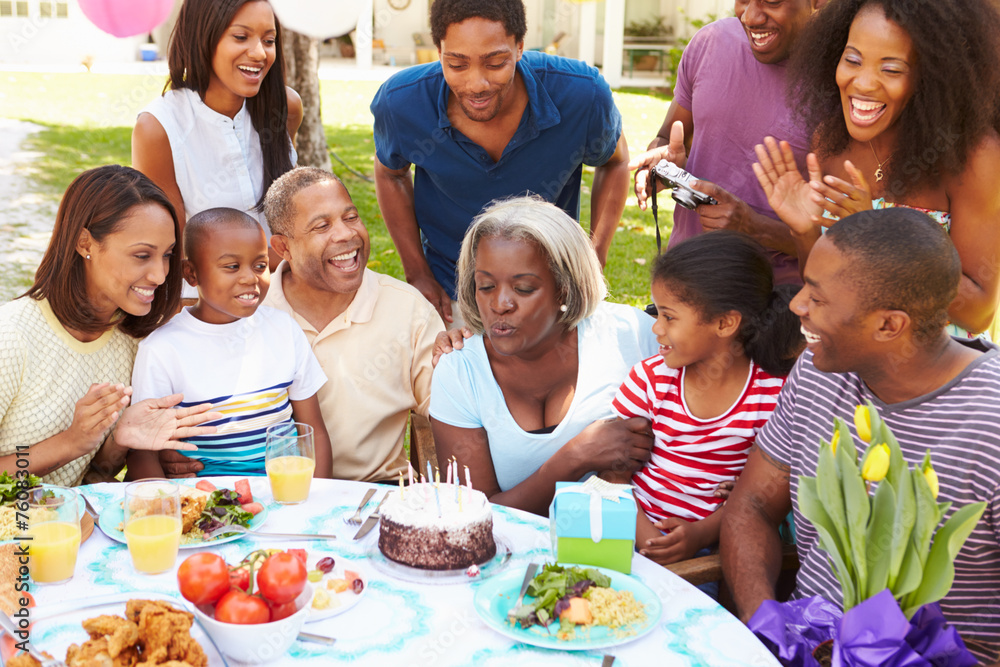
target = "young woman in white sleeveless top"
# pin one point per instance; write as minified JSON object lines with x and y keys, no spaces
{"x":222,"y":132}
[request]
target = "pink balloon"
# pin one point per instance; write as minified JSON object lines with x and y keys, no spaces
{"x":125,"y":18}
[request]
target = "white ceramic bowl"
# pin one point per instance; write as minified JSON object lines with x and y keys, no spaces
{"x":262,"y":642}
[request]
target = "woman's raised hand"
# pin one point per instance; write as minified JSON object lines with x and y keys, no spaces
{"x":96,"y":412}
{"x":841,"y":198}
{"x":617,"y":446}
{"x":791,"y":197}
{"x":155,"y":424}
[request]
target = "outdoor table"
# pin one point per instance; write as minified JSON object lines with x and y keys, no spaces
{"x":402,"y":623}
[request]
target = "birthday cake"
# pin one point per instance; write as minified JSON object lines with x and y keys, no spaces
{"x":431,"y":527}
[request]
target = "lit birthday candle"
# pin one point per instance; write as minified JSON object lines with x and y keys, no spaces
{"x":448,"y":478}
{"x":458,"y":484}
{"x":409,"y":472}
{"x":459,"y":497}
{"x":468,"y":479}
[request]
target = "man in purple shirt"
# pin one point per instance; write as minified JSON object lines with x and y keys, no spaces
{"x":730,"y":94}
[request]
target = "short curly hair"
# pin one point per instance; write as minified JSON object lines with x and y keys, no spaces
{"x":956,"y":100}
{"x":279,"y":202}
{"x":571,"y":255}
{"x":900,"y":259}
{"x":508,"y":12}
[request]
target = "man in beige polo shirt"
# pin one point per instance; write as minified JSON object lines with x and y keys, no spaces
{"x":373,"y":335}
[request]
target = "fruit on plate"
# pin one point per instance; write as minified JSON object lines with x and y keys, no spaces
{"x":243,"y":490}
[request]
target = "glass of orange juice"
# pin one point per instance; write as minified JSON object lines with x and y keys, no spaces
{"x":54,"y":530}
{"x":290,"y":459}
{"x":153,"y":524}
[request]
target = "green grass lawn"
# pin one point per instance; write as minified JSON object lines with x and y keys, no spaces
{"x":89,"y":117}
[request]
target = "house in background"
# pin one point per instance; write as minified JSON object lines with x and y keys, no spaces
{"x":55,"y":32}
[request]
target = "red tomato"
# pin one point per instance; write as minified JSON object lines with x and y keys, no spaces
{"x":239,"y":577}
{"x":205,"y":486}
{"x":203,"y":578}
{"x":280,"y":611}
{"x":299,"y":553}
{"x":281,"y":578}
{"x":242,"y":488}
{"x":242,"y":609}
{"x":253,"y":508}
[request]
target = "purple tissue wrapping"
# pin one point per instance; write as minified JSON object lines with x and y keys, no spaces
{"x":873,"y":634}
{"x":791,"y":630}
{"x":937,"y":642}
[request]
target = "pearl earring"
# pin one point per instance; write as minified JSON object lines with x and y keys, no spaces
{"x":562,"y":308}
{"x":88,"y":256}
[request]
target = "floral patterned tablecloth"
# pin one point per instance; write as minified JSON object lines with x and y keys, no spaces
{"x":404,"y":623}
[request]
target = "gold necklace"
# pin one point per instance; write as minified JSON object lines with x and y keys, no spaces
{"x":879,"y":174}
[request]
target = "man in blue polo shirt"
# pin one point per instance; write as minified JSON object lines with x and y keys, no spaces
{"x":487,"y":122}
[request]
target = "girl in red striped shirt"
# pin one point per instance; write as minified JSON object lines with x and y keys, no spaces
{"x":727,"y":342}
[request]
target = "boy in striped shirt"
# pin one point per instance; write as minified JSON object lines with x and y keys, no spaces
{"x":252,"y":363}
{"x":877,"y":290}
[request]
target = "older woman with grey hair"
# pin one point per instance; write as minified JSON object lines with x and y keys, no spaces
{"x":527,"y":400}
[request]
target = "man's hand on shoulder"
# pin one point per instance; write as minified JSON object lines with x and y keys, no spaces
{"x":449,"y":341}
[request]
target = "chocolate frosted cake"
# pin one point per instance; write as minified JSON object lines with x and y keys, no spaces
{"x":413,"y":532}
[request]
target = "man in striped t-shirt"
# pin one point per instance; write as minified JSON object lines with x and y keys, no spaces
{"x":873,"y":310}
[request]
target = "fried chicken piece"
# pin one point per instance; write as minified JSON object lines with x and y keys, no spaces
{"x":120,"y":633}
{"x":23,"y":660}
{"x":129,"y":657}
{"x":92,"y":653}
{"x":192,"y":504}
{"x":165,"y":633}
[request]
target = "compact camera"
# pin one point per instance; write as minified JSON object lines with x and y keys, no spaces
{"x":680,"y":182}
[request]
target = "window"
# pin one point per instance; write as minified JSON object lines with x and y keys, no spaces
{"x":6,"y":8}
{"x":62,"y":10}
{"x":45,"y":10}
{"x":22,"y":8}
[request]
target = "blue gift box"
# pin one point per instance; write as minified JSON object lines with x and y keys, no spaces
{"x":593,"y":523}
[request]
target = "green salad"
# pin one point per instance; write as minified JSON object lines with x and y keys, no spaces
{"x":552,"y":589}
{"x":9,"y":486}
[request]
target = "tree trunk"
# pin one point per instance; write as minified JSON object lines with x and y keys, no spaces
{"x":302,"y":74}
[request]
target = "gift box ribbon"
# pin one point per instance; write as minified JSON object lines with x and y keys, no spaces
{"x":599,"y":490}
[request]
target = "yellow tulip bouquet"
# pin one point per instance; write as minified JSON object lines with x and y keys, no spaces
{"x":892,"y":560}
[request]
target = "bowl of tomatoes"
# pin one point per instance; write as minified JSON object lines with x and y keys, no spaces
{"x":252,"y":611}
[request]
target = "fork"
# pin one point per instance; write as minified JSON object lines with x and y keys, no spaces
{"x":8,"y":626}
{"x":356,"y":519}
{"x":236,"y":528}
{"x":529,"y":574}
{"x":91,"y":510}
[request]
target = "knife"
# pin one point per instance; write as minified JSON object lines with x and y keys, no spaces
{"x":372,"y":519}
